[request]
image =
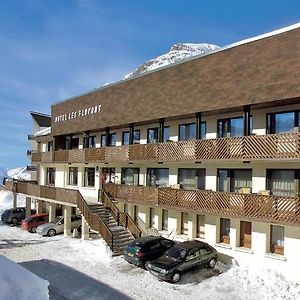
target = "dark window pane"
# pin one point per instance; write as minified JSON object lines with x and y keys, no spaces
{"x":203,"y":130}
{"x":236,"y":127}
{"x":223,"y":180}
{"x":136,"y":136}
{"x":241,"y":178}
{"x":130,"y":176}
{"x":166,"y":133}
{"x":282,"y":182}
{"x":112,"y":139}
{"x":187,"y":132}
{"x":284,"y":122}
{"x":152,"y":136}
{"x":157,"y":177}
{"x":73,"y":176}
{"x":125,"y":138}
{"x":103,"y":140}
{"x":89,"y":177}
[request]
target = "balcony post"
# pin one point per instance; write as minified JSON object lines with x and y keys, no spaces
{"x":161,"y":130}
{"x":198,"y":126}
{"x":107,"y":137}
{"x":131,"y":130}
{"x":52,"y":212}
{"x":84,"y":229}
{"x":67,"y":220}
{"x":246,"y":118}
{"x":28,"y":207}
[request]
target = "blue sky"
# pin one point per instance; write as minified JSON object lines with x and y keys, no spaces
{"x":54,"y":49}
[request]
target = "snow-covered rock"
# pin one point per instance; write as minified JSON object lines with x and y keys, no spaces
{"x":17,"y":282}
{"x":178,"y":52}
{"x":17,"y":173}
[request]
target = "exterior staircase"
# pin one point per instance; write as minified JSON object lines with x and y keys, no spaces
{"x":121,"y":236}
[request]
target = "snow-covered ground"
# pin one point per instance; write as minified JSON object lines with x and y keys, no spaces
{"x":18,"y":283}
{"x":6,"y":200}
{"x":79,"y":269}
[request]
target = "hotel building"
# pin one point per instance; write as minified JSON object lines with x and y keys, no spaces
{"x":207,"y":148}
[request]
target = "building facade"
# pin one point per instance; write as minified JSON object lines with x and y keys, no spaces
{"x":207,"y":148}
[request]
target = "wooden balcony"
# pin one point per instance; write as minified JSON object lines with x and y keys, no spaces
{"x":248,"y":148}
{"x":252,"y":207}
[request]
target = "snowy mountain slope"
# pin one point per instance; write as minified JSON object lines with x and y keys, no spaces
{"x":177,"y":53}
{"x":18,"y":173}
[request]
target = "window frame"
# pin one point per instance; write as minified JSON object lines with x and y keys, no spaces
{"x":270,"y":120}
{"x":85,"y":181}
{"x":186,"y":124}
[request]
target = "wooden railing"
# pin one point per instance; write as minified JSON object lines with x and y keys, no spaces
{"x":67,"y":196}
{"x":272,"y":209}
{"x":254,"y":147}
{"x":122,"y":218}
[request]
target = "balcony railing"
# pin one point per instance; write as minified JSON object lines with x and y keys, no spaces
{"x":253,"y":207}
{"x":246,"y":148}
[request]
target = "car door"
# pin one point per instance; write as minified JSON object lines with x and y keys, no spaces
{"x":191,"y":259}
{"x":205,"y":256}
{"x":60,"y":226}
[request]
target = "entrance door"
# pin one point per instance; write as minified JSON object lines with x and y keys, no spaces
{"x":245,"y":234}
{"x":184,"y":223}
{"x":201,"y":226}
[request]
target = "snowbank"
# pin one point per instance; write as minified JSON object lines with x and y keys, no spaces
{"x":249,"y":283}
{"x":18,"y":283}
{"x":19,"y":173}
{"x":6,"y":200}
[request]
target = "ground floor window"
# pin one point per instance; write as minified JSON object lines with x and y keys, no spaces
{"x":89,"y":177}
{"x":184,"y":223}
{"x":130,"y":176}
{"x":152,"y":217}
{"x":157,"y":177}
{"x":277,"y":239}
{"x":201,"y":226}
{"x":126,"y":208}
{"x":50,"y":176}
{"x":164,"y":219}
{"x":245,"y":234}
{"x":73,"y":176}
{"x":136,"y":214}
{"x":225,"y":231}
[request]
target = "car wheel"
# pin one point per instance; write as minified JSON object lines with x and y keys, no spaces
{"x":212,"y":262}
{"x":176,"y":277}
{"x":51,"y":232}
{"x":33,"y":230}
{"x":15,"y":221}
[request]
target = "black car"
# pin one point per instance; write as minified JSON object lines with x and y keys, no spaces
{"x":14,"y":215}
{"x":146,"y":248}
{"x":183,"y":258}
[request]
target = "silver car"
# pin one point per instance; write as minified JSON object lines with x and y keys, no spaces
{"x":57,"y":226}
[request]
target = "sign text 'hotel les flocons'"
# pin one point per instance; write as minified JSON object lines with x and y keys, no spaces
{"x":79,"y":113}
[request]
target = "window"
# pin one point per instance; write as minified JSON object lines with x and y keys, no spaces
{"x":245,"y":234}
{"x":89,"y":141}
{"x":230,"y":180}
{"x":203,"y":130}
{"x":89,"y":177}
{"x":282,"y":122}
{"x":166,"y":134}
{"x":125,"y":138}
{"x":130,"y":176}
{"x":157,"y":177}
{"x":50,"y":176}
{"x":232,"y":127}
{"x":136,"y":136}
{"x":152,"y":217}
{"x":136,"y":214}
{"x":201,"y":226}
{"x":103,"y":140}
{"x":75,"y":143}
{"x":152,"y":136}
{"x":277,"y":239}
{"x":73,"y":176}
{"x":225,"y":231}
{"x":187,"y":132}
{"x":164,"y":219}
{"x":50,"y":146}
{"x":184,"y":223}
{"x":191,"y":179}
{"x":283,"y":182}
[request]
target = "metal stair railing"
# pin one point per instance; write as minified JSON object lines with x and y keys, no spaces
{"x":122,"y":218}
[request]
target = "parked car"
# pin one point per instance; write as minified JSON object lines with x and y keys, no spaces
{"x":14,"y":215}
{"x":182,"y":258}
{"x":57,"y":226}
{"x":146,"y":248}
{"x":32,"y":222}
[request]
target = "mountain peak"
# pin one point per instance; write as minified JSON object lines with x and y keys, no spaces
{"x":178,"y":52}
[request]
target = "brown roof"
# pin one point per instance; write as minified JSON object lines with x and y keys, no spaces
{"x":43,"y":120}
{"x":258,"y":72}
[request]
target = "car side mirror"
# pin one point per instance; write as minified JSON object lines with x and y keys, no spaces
{"x":59,"y":223}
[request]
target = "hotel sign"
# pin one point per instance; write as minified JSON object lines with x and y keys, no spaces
{"x":78,"y":113}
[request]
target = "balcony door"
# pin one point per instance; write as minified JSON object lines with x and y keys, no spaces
{"x":157,"y":177}
{"x":245,"y":234}
{"x":108,"y":175}
{"x":232,"y":180}
{"x":50,"y":176}
{"x":130,"y":176}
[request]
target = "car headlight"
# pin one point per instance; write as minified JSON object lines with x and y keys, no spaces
{"x":163,"y":271}
{"x":147,"y":265}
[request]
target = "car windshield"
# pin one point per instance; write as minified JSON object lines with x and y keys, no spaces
{"x":58,"y":219}
{"x":176,"y":253}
